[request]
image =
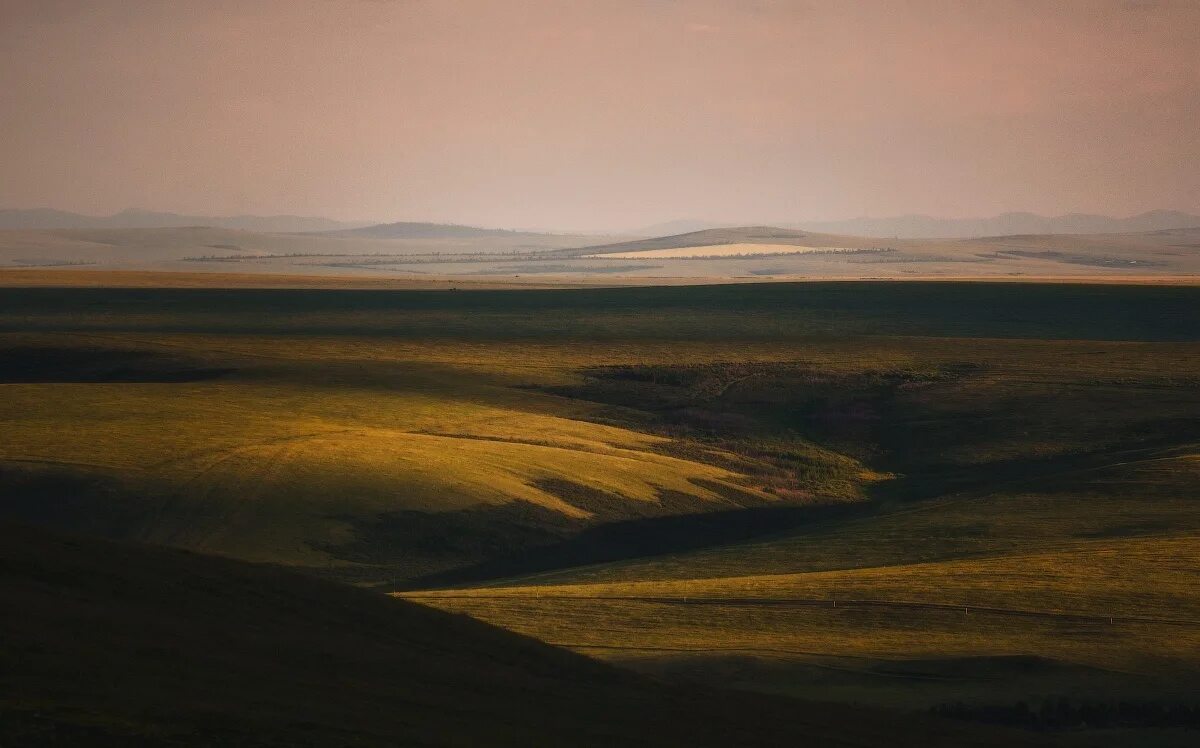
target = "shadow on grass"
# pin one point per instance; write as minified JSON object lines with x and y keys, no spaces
{"x":62,"y":364}
{"x":643,"y":538}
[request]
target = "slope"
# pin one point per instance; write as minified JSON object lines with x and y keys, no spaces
{"x":382,"y":436}
{"x":1035,"y":540}
{"x":111,"y":644}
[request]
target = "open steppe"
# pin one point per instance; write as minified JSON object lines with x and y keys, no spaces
{"x":920,"y":496}
{"x":119,"y":644}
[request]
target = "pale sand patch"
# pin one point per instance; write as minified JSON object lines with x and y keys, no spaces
{"x":717,"y":250}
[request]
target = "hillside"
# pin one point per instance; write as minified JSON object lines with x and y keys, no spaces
{"x":707,"y":237}
{"x":382,"y":436}
{"x":1030,"y":538}
{"x":995,"y":482}
{"x":782,"y":253}
{"x":931,"y":227}
{"x":110,"y":644}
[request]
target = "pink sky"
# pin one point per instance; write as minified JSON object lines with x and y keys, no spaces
{"x":600,"y":113}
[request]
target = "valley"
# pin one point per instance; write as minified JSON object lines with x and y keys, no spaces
{"x":881,"y":494}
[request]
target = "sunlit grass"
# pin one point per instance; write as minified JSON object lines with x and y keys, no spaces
{"x":1121,"y":604}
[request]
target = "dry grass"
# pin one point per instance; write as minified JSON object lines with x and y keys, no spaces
{"x":255,"y":464}
{"x":1048,"y":503}
{"x":1053,"y":604}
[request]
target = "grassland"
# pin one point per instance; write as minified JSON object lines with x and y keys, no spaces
{"x":277,"y":457}
{"x":994,"y":483}
{"x":115,"y":644}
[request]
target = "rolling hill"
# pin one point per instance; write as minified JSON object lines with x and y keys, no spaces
{"x":195,"y":248}
{"x":417,"y":230}
{"x":765,"y":251}
{"x":930,"y":227}
{"x":706,"y":237}
{"x":107,"y":644}
{"x":994,"y":482}
{"x":1005,"y":224}
{"x":433,"y":252}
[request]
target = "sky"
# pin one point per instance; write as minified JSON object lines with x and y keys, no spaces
{"x":600,"y":114}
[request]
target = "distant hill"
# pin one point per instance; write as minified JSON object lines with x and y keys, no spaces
{"x":108,"y":644}
{"x":703,"y":238}
{"x":927,"y":227}
{"x":904,"y":227}
{"x":46,"y":218}
{"x":143,"y":247}
{"x":681,"y":226}
{"x":766,"y":235}
{"x":417,"y":230}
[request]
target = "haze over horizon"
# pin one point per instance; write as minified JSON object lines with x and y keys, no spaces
{"x":600,"y":115}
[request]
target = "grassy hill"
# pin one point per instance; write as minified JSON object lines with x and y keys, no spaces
{"x":1029,"y":533}
{"x":708,"y":237}
{"x":418,"y":230}
{"x":112,"y":644}
{"x":290,"y":454}
{"x":994,"y":482}
{"x":395,"y":434}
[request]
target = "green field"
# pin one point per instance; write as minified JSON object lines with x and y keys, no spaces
{"x":908,"y":495}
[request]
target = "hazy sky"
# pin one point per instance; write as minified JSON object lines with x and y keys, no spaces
{"x":600,"y":113}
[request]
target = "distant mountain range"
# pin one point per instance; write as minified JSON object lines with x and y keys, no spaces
{"x":928,"y":227}
{"x":701,"y":238}
{"x":903,"y":227}
{"x":681,"y":226}
{"x":47,"y":218}
{"x":413,"y":230}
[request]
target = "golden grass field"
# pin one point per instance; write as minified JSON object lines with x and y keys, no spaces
{"x":1089,"y":603}
{"x":248,"y":463}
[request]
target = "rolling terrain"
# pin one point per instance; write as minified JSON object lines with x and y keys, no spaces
{"x":107,"y":644}
{"x":765,"y":251}
{"x":925,"y":496}
{"x":437,"y":253}
{"x":925,"y":227}
{"x":915,"y":226}
{"x":909,"y":227}
{"x":193,"y":248}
